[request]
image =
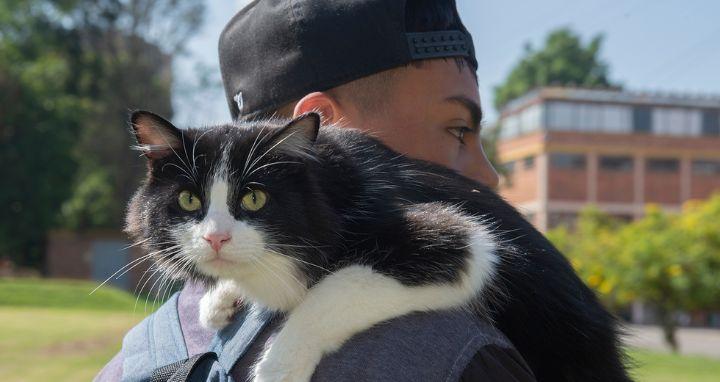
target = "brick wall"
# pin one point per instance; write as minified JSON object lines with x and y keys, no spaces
{"x":702,"y":186}
{"x":615,"y":186}
{"x":520,"y":186}
{"x":570,"y":185}
{"x":662,"y":188}
{"x":69,"y":255}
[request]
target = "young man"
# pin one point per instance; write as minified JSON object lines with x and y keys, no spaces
{"x":404,"y":72}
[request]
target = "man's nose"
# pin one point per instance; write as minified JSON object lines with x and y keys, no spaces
{"x":217,"y":239}
{"x":478,"y":167}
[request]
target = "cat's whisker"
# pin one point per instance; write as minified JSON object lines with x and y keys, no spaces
{"x":285,"y":271}
{"x":135,"y":244}
{"x":142,"y":288}
{"x":144,"y":259}
{"x":256,"y":161}
{"x":260,"y":262}
{"x":271,"y":164}
{"x":130,"y":264}
{"x":185,"y":173}
{"x":252,"y":151}
{"x":170,"y":273}
{"x":300,"y":261}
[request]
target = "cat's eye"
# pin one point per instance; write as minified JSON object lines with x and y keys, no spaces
{"x":254,"y":200}
{"x":189,"y":201}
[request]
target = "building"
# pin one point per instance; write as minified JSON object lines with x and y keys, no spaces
{"x":97,"y":255}
{"x":566,"y":147}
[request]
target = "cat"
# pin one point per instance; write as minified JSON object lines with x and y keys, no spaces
{"x":340,"y":232}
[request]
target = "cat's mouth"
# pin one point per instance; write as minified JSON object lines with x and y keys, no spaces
{"x":217,"y":260}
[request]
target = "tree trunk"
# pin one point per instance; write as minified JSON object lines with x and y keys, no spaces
{"x":667,"y":321}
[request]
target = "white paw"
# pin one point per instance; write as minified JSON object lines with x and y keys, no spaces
{"x":217,"y":309}
{"x":289,"y":367}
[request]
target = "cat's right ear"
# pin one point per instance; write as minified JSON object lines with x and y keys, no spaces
{"x":156,"y":137}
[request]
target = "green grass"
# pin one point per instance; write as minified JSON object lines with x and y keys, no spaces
{"x":38,"y":344}
{"x":66,"y":294}
{"x":54,"y":330}
{"x":661,"y":367}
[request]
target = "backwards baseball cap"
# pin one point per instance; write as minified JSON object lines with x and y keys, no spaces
{"x":273,"y":52}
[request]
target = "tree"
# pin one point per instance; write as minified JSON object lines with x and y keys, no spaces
{"x":39,"y":120}
{"x":669,"y":261}
{"x":563,"y":60}
{"x":129,"y":46}
{"x":69,"y":72}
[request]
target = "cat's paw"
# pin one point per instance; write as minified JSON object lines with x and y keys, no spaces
{"x":217,"y":308}
{"x":288,"y":367}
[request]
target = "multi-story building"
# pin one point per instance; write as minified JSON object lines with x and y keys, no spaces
{"x":566,"y":147}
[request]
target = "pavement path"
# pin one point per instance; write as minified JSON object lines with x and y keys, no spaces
{"x":695,"y":341}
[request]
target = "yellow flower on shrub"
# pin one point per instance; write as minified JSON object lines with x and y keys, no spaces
{"x":674,"y":270}
{"x":594,"y":280}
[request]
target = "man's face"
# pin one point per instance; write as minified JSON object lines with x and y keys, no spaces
{"x":432,"y":112}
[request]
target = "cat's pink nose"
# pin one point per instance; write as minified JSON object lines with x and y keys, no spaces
{"x":217,"y":239}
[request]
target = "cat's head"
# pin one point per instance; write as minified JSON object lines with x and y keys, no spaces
{"x":232,"y":201}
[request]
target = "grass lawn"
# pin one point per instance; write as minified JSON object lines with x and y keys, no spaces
{"x":661,"y":367}
{"x":54,"y":331}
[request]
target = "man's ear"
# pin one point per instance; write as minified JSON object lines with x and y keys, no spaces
{"x":321,"y":103}
{"x":298,"y":136}
{"x":156,"y":137}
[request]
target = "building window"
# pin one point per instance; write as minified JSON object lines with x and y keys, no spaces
{"x":706,"y":167}
{"x":529,"y":162}
{"x":711,"y":122}
{"x":642,"y":119}
{"x":566,"y":161}
{"x":616,"y":163}
{"x":663,"y":165}
{"x":588,"y":117}
{"x":676,"y":121}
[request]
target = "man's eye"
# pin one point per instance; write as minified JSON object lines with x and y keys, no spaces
{"x":459,"y":132}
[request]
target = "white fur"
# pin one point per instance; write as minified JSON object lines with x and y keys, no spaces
{"x":356,"y":298}
{"x":218,"y":305}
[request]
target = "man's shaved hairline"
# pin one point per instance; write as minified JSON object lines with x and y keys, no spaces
{"x":369,"y":94}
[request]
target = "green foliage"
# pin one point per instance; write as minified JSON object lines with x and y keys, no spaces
{"x":71,"y":69}
{"x":37,"y":131}
{"x":93,"y":203}
{"x":563,"y":60}
{"x":669,"y":260}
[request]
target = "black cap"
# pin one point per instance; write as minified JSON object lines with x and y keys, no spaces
{"x":275,"y":51}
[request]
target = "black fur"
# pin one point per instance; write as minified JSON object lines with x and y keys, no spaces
{"x":347,"y":196}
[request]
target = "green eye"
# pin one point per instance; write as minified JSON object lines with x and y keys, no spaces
{"x":189,"y":201}
{"x":254,"y":200}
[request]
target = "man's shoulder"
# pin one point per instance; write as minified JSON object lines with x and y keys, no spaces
{"x":429,"y":346}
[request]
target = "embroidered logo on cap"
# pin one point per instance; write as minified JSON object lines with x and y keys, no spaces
{"x":239,"y":102}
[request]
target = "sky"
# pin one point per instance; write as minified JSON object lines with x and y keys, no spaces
{"x":650,"y":45}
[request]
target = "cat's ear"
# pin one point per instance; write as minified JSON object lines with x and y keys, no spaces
{"x":299,"y":135}
{"x":156,"y":137}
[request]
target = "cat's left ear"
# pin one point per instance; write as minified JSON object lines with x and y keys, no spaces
{"x":299,"y":135}
{"x":156,"y":137}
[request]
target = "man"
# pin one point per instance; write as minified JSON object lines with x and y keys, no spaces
{"x":405,"y":73}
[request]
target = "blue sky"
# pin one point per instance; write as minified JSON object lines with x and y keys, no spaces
{"x":660,"y":45}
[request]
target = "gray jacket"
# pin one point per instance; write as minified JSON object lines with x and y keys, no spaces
{"x":438,"y":346}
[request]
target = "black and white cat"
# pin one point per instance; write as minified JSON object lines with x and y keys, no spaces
{"x":337,"y":230}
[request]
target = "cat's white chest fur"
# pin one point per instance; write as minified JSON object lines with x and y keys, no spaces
{"x":343,"y":304}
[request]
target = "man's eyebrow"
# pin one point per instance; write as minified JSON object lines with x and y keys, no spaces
{"x":473,"y":108}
